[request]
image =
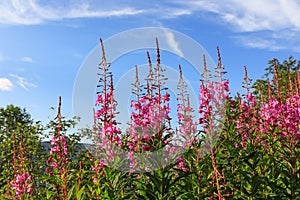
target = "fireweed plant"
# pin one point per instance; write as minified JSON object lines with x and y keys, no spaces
{"x":58,"y":160}
{"x":149,"y":127}
{"x":22,"y":184}
{"x":241,"y":147}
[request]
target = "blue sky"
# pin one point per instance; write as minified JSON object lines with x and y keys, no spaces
{"x":44,"y":42}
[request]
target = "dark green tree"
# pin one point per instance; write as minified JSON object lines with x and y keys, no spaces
{"x":18,"y":129}
{"x":279,"y":80}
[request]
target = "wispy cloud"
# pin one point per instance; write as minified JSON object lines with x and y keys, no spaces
{"x":270,"y":40}
{"x":254,"y":17}
{"x":246,"y":15}
{"x":172,"y":43}
{"x":29,"y":12}
{"x":27,"y":59}
{"x":259,"y":42}
{"x":5,"y":84}
{"x":242,"y":17}
{"x":251,"y":15}
{"x":23,"y":82}
{"x":169,"y":12}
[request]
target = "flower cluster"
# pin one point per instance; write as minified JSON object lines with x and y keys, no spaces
{"x":181,"y":164}
{"x":248,"y":120}
{"x":22,"y":180}
{"x":148,"y":117}
{"x":213,"y":97}
{"x":277,"y":117}
{"x":22,"y":185}
{"x":283,"y":116}
{"x":59,"y":150}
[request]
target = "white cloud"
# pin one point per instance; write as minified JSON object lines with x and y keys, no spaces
{"x":271,"y":24}
{"x":169,"y":13}
{"x":29,"y":12}
{"x":270,"y":40}
{"x":251,"y":15}
{"x":5,"y":84}
{"x":172,"y":43}
{"x":23,"y":82}
{"x":241,"y":16}
{"x":85,"y":12}
{"x":259,"y":42}
{"x":27,"y":59}
{"x":246,"y":15}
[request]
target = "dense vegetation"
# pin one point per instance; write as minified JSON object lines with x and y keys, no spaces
{"x":240,"y":147}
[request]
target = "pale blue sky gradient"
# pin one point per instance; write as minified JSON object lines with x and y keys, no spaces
{"x":43,"y":43}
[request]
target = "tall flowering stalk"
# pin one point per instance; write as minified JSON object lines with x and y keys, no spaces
{"x":187,"y":126}
{"x":58,"y":160}
{"x":21,"y":184}
{"x":213,"y":97}
{"x":107,"y":134}
{"x":247,"y":122}
{"x":150,"y":118}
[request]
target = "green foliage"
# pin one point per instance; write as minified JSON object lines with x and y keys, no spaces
{"x":264,"y":168}
{"x":287,"y":73}
{"x":17,"y":123}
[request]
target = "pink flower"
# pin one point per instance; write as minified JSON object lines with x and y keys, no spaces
{"x":99,"y":100}
{"x":22,"y":184}
{"x":280,"y":155}
{"x":166,"y":97}
{"x":54,"y":149}
{"x":29,"y":191}
{"x":54,"y":164}
{"x":146,"y":148}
